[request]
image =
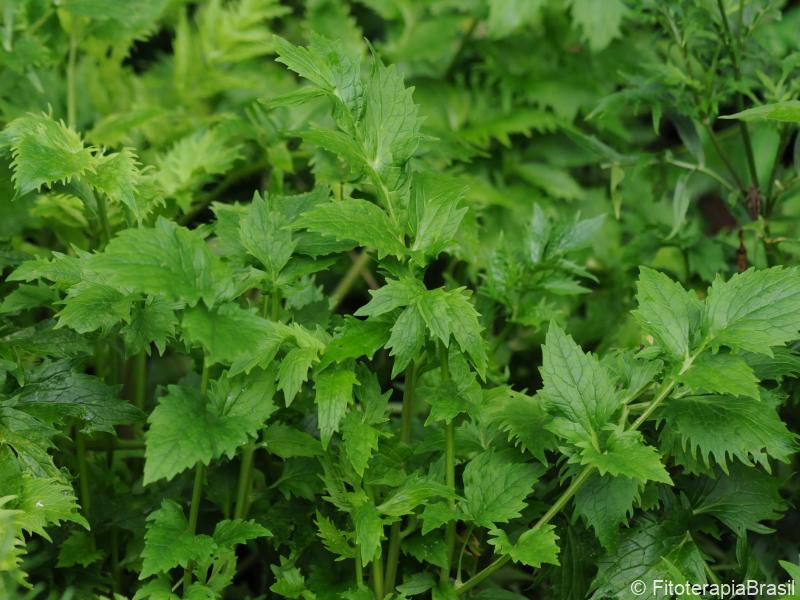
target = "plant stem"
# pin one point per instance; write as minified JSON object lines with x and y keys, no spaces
{"x":140,"y":379}
{"x":449,"y":469}
{"x":197,"y":488}
{"x":395,"y":534}
{"x":359,"y":568}
{"x":737,"y":72}
{"x":194,"y":512}
{"x":83,"y":472}
{"x":769,"y":199}
{"x":245,"y":479}
{"x":71,"y":60}
{"x":346,"y":283}
{"x":275,"y":306}
{"x":461,"y":554}
{"x":725,"y":160}
{"x":582,"y":477}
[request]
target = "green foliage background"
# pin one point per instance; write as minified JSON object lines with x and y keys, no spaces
{"x":397,"y":298}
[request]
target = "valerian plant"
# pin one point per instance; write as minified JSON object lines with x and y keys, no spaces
{"x":397,"y":299}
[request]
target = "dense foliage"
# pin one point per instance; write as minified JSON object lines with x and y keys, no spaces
{"x":402,"y":298}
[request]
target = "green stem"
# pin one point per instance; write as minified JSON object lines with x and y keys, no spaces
{"x":737,"y":72}
{"x":140,"y":379}
{"x":275,"y":305}
{"x":461,"y":554}
{"x":71,"y":61}
{"x":83,"y":472}
{"x":245,"y":479}
{"x":449,"y":469}
{"x":197,"y":488}
{"x":359,"y":568}
{"x":769,"y":200}
{"x":102,"y":215}
{"x":725,"y":160}
{"x":582,"y":477}
{"x":346,"y":283}
{"x":194,"y":512}
{"x":395,"y":534}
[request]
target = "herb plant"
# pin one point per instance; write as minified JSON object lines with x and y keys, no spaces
{"x":485,"y":299}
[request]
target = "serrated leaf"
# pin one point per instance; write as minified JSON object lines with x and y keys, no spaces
{"x":229,"y":533}
{"x":335,"y":541}
{"x":576,"y":386}
{"x":45,"y":152}
{"x":533,"y":548}
{"x":166,"y":260}
{"x":286,"y":442}
{"x":406,"y":339}
{"x":185,"y":429}
{"x":754,"y":310}
{"x":721,"y":374}
{"x":741,"y":499}
{"x":524,"y":419}
{"x":152,"y":322}
{"x":90,"y":306}
{"x":395,"y":294}
{"x":358,"y":220}
{"x":356,"y":338}
{"x":625,"y":453}
{"x":360,"y":441}
{"x":57,"y":392}
{"x":225,"y":333}
{"x":117,"y":176}
{"x":415,"y":491}
{"x":599,"y":24}
{"x":293,"y":371}
{"x":46,"y":501}
{"x":168,"y":542}
{"x":368,"y":531}
{"x":667,"y":312}
{"x":605,"y":503}
{"x":435,"y":212}
{"x":495,"y":488}
{"x":264,"y":237}
{"x":725,"y":428}
{"x":334,"y":393}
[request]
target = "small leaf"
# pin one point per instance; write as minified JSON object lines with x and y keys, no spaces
{"x":334,"y":392}
{"x":533,"y":548}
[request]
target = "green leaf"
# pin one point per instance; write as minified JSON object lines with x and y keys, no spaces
{"x":152,"y":322}
{"x":577,"y":389}
{"x":656,"y":548}
{"x":25,"y":297}
{"x":395,"y":294}
{"x":186,"y":429}
{"x":225,"y":333}
{"x":56,"y":392}
{"x":91,"y":306}
{"x":229,"y":533}
{"x":466,"y":328}
{"x":358,"y":220}
{"x":415,"y":491}
{"x":667,"y":311}
{"x":46,"y":501}
{"x":166,"y":260}
{"x":263,"y":235}
{"x":78,"y":549}
{"x":754,"y":310}
{"x":286,"y":442}
{"x":369,"y":531}
{"x":356,"y":338}
{"x":626,"y":454}
{"x":293,"y":371}
{"x":533,"y":548}
{"x":45,"y":152}
{"x":600,"y":23}
{"x":390,"y":124}
{"x":360,"y":441}
{"x":721,"y":374}
{"x":724,"y":428}
{"x":168,"y":542}
{"x":117,"y":176}
{"x":741,"y":500}
{"x":407,"y":338}
{"x":605,"y":503}
{"x":334,"y":392}
{"x":435,"y":214}
{"x":524,"y":418}
{"x":495,"y":488}
{"x":335,"y":541}
{"x":787,"y":111}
